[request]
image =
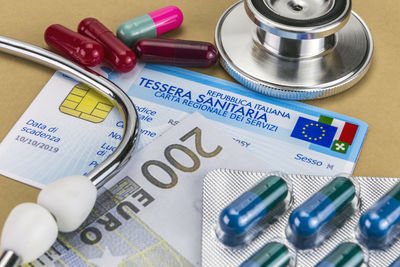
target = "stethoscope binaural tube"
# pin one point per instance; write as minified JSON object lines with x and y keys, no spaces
{"x":109,"y":167}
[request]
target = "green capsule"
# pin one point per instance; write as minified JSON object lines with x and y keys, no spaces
{"x":340,"y":191}
{"x":347,"y":254}
{"x":315,"y":219}
{"x":395,"y":192}
{"x":273,"y":254}
{"x":238,"y":222}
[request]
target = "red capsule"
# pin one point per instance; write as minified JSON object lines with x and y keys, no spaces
{"x":82,"y":49}
{"x":117,"y":53}
{"x":181,"y":53}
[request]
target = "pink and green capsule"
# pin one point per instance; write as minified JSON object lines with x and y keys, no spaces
{"x":150,"y":25}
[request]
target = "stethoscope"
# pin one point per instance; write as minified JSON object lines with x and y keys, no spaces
{"x":294,"y":49}
{"x":109,"y":167}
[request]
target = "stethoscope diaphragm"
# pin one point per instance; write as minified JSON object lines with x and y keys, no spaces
{"x":294,"y":49}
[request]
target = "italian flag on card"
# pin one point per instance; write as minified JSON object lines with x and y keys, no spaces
{"x":344,"y":135}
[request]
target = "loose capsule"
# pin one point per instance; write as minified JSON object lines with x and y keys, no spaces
{"x":150,"y":25}
{"x":396,"y":263}
{"x":347,"y":254}
{"x":307,"y":222}
{"x":116,"y":53}
{"x":273,"y":254}
{"x":82,"y":49}
{"x":379,"y":225}
{"x":182,"y":53}
{"x":238,"y":222}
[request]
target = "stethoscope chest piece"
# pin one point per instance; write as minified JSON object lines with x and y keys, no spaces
{"x":294,"y":49}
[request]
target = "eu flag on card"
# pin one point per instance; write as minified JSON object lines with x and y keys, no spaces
{"x":314,"y":132}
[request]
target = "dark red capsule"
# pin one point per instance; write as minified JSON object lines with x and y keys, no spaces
{"x":82,"y":49}
{"x":182,"y":53}
{"x":116,"y":53}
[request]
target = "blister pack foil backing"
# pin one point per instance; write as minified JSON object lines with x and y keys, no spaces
{"x":222,"y":186}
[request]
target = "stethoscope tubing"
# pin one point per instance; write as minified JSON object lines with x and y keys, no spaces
{"x":110,"y":166}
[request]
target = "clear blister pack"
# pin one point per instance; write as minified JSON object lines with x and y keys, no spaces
{"x":315,"y":218}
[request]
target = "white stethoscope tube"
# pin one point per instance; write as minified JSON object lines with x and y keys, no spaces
{"x":109,"y":167}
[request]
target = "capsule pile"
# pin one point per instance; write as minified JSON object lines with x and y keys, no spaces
{"x":94,"y":41}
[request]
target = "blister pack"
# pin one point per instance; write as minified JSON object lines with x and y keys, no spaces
{"x":253,"y":218}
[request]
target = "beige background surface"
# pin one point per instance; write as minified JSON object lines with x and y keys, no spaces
{"x":375,"y":100}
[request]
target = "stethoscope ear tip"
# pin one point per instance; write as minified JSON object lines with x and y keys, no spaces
{"x":31,"y":229}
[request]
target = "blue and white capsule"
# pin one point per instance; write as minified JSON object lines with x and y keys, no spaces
{"x":318,"y":216}
{"x":380,"y":225}
{"x":247,"y":216}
